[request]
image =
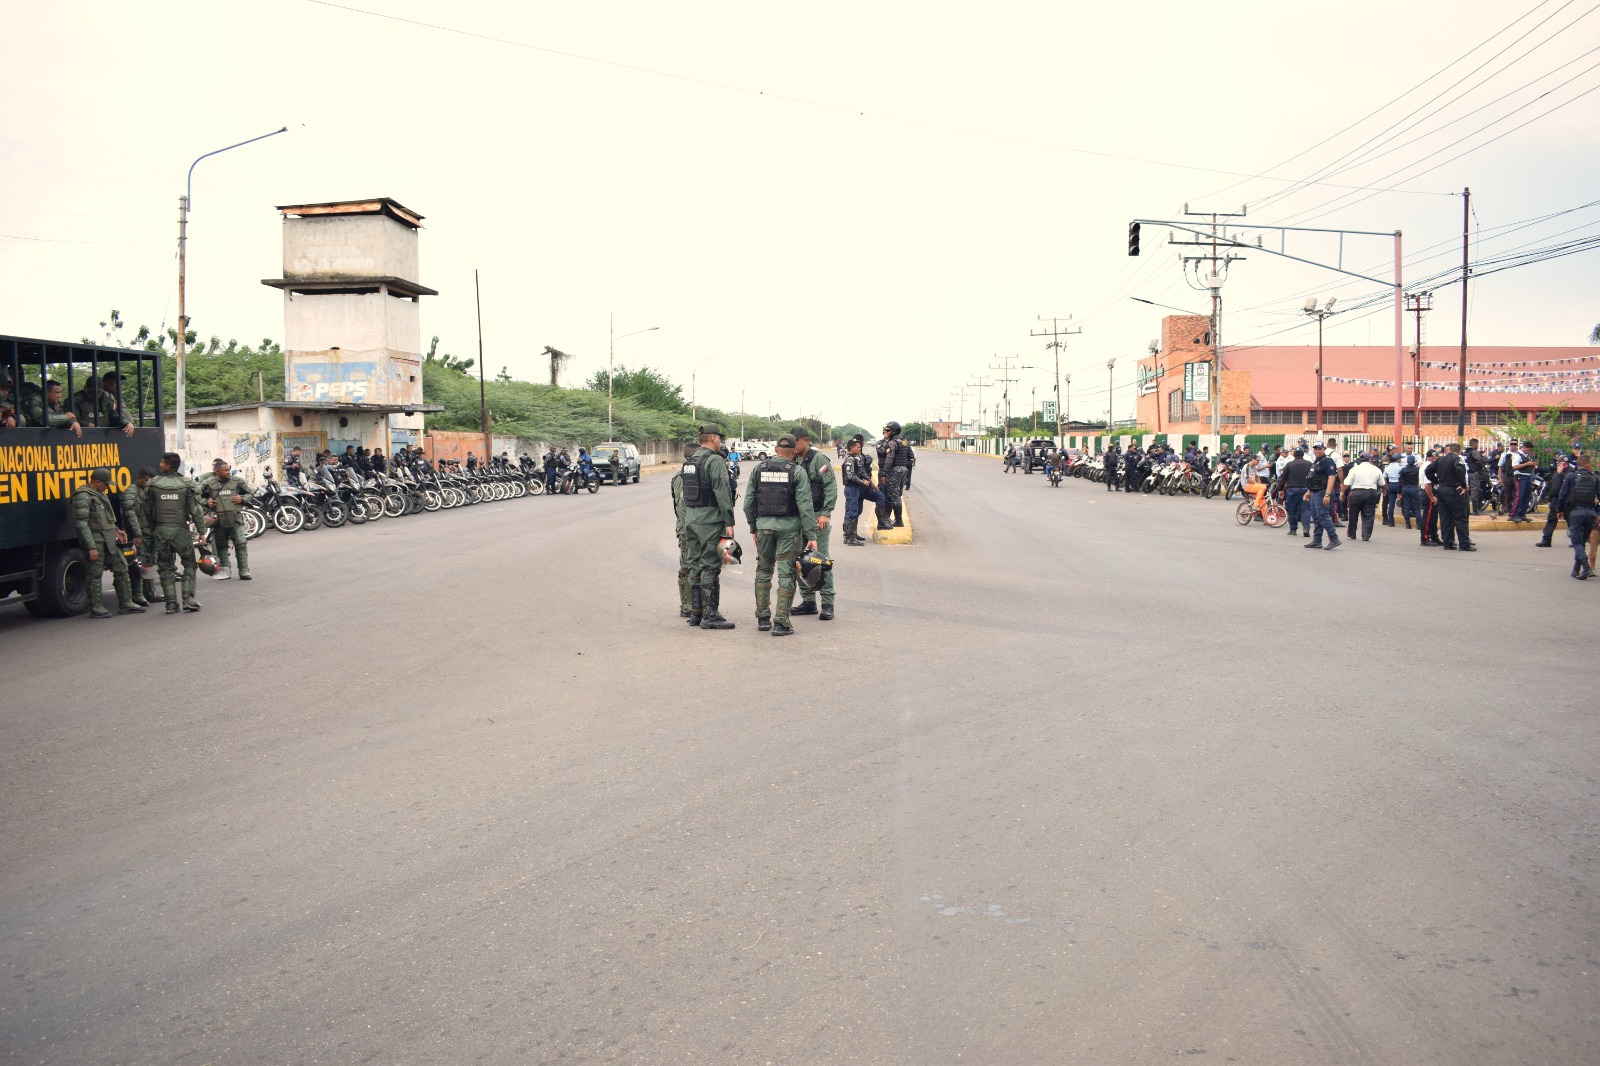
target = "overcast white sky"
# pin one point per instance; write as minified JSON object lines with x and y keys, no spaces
{"x":843,"y":208}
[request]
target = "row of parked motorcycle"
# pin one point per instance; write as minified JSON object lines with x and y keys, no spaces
{"x":340,"y":495}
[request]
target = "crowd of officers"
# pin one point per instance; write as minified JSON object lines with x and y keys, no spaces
{"x":166,"y":518}
{"x":789,"y":501}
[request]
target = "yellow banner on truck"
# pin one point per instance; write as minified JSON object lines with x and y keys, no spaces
{"x":39,"y":472}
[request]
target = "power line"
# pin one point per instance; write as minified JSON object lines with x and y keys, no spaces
{"x":820,"y":104}
{"x":1323,"y":171}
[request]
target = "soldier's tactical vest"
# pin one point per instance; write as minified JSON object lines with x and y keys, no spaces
{"x":775,"y":490}
{"x":1581,"y":496}
{"x":902,"y":455}
{"x":815,"y":459}
{"x":1410,"y":475}
{"x":101,"y":518}
{"x":169,"y":491}
{"x":696,"y":485}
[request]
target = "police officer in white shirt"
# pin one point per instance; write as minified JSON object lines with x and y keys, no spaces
{"x":1363,"y":481}
{"x":1391,"y":478}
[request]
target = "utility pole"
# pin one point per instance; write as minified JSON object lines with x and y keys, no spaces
{"x":1212,"y":279}
{"x":483,"y":403}
{"x":1461,"y":389}
{"x":1007,"y":382}
{"x":1418,"y":303}
{"x":1111,"y":388}
{"x":1033,"y":401}
{"x":1057,"y":342}
{"x":980,"y":386}
{"x":1327,"y":309}
{"x":185,"y":205}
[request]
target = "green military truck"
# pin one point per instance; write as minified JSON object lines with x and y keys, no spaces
{"x":114,"y":395}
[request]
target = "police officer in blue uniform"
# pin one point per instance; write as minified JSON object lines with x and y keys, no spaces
{"x":1322,"y":485}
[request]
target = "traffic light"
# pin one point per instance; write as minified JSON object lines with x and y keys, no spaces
{"x":1133,"y":238}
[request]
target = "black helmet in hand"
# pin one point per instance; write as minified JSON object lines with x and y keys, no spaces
{"x":811,"y":568}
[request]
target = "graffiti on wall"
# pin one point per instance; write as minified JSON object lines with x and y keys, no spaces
{"x":250,"y":455}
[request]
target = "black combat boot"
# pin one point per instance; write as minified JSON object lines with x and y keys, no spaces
{"x":763,"y":624}
{"x":804,"y":607}
{"x":782,"y":629}
{"x":827,"y":613}
{"x":712,"y":618}
{"x":1543,"y":543}
{"x":696,"y":598}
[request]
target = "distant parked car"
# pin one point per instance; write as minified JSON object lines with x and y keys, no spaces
{"x":601,"y":453}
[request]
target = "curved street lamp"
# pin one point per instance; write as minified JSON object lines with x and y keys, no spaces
{"x":184,"y":203}
{"x":611,"y":355}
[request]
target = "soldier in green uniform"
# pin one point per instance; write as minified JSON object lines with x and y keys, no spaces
{"x":707,"y":518}
{"x":228,"y":492}
{"x":98,"y":533}
{"x":824,"y":495}
{"x":131,"y":504}
{"x":44,"y":410}
{"x":133,"y":512}
{"x":777,"y":504}
{"x":678,"y":513}
{"x":97,"y":404}
{"x":171,"y":504}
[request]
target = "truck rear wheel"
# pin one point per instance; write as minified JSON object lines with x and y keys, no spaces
{"x":64,"y":592}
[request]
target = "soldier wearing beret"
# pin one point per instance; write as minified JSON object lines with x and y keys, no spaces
{"x":777,"y":504}
{"x":708,"y":517}
{"x":824,"y":497}
{"x":102,"y":543}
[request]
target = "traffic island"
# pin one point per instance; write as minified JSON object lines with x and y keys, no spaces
{"x":1484,"y":523}
{"x":900,"y":534}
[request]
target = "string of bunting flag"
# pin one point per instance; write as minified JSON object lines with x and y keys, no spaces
{"x":1452,"y":386}
{"x":1436,"y":364}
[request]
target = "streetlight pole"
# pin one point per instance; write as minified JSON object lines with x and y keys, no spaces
{"x":611,"y":364}
{"x":185,"y":202}
{"x":694,"y":392}
{"x":1327,"y":309}
{"x":1111,"y":385}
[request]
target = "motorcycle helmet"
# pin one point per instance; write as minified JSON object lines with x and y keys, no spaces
{"x":811,"y":568}
{"x":204,"y":563}
{"x":732,"y":554}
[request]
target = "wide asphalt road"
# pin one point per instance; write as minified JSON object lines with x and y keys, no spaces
{"x":1077,"y":778}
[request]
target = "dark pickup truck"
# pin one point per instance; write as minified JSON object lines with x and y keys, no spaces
{"x":42,"y":565}
{"x":1035,"y":454}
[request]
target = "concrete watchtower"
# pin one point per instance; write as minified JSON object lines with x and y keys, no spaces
{"x":352,"y":332}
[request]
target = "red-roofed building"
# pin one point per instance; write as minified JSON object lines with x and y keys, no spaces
{"x":1273,"y":389}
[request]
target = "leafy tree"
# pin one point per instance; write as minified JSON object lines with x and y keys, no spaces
{"x":1594,"y":335}
{"x":645,"y":386}
{"x":917,"y":431}
{"x":1550,"y":433}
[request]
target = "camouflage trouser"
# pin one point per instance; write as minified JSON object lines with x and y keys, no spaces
{"x":894,"y":483}
{"x":703,"y":556}
{"x":684,"y":574}
{"x":234,"y":535}
{"x":167,"y":543}
{"x":827,"y":582}
{"x":110,"y":559}
{"x":776,"y":550}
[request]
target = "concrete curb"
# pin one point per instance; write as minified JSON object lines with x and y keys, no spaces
{"x":894,"y":534}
